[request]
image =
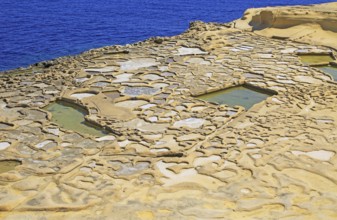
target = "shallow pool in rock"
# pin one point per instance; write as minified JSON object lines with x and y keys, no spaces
{"x":140,"y":90}
{"x":330,"y":70}
{"x":8,"y":165}
{"x":101,"y":84}
{"x":241,"y":95}
{"x":112,"y":95}
{"x":82,"y":95}
{"x":312,"y":59}
{"x":71,"y":117}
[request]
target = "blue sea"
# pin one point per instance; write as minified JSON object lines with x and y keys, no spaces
{"x":36,"y":30}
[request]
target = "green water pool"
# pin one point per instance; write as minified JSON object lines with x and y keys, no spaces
{"x":240,"y":95}
{"x":71,"y":117}
{"x":316,"y":59}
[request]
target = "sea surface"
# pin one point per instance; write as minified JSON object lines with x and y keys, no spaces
{"x":36,"y":30}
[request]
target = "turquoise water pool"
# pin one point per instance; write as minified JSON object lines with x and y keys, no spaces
{"x":71,"y":117}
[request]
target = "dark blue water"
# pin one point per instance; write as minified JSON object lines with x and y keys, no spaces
{"x":36,"y":30}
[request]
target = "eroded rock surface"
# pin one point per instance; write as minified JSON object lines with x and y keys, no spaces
{"x":167,"y":154}
{"x":314,"y":24}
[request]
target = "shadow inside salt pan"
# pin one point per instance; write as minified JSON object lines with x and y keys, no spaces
{"x":8,"y":165}
{"x":112,"y":95}
{"x":71,"y":117}
{"x":241,"y":95}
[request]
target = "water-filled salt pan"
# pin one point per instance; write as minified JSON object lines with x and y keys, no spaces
{"x":42,"y":144}
{"x":160,"y":85}
{"x":147,"y":106}
{"x":82,"y":79}
{"x":190,"y":51}
{"x":138,"y":63}
{"x":106,"y":138}
{"x":123,"y":77}
{"x":82,"y":95}
{"x":72,"y":117}
{"x":139,"y":90}
{"x":101,"y":70}
{"x":198,"y":60}
{"x":4,"y":145}
{"x":152,"y":77}
{"x":318,"y":155}
{"x":101,"y":84}
{"x":190,"y":122}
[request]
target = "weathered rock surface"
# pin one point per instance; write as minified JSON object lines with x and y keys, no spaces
{"x":314,"y":24}
{"x":170,"y":155}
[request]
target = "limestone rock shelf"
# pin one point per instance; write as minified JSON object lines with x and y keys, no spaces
{"x":169,"y":155}
{"x":314,"y":24}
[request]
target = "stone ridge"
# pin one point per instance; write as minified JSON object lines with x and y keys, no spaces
{"x":170,"y":155}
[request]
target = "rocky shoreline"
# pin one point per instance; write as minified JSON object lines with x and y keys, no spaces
{"x":168,"y":154}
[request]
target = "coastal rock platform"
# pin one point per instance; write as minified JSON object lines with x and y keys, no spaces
{"x":164,"y":153}
{"x":313,"y":24}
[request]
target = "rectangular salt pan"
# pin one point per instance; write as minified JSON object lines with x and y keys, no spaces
{"x":240,"y":95}
{"x":316,"y":59}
